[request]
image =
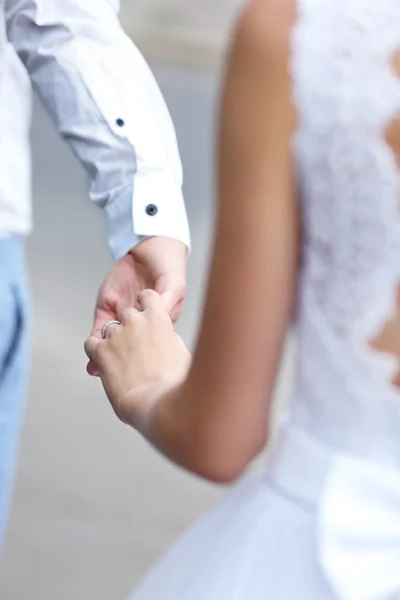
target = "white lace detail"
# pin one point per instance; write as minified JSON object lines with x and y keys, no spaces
{"x":347,"y":95}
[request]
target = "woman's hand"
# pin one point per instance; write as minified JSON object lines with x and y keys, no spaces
{"x":138,"y":357}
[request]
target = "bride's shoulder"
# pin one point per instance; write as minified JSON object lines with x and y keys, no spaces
{"x":266,"y":24}
{"x":262,"y":37}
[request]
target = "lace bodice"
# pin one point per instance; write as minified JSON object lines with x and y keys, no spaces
{"x":347,"y":93}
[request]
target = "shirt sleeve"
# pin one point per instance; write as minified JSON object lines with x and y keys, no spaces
{"x":105,"y":102}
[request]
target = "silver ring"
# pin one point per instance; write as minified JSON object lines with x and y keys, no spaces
{"x":103,"y":331}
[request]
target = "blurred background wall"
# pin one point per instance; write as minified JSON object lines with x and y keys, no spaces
{"x":184,"y":31}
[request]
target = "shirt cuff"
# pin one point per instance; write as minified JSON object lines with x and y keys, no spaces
{"x":155,"y":207}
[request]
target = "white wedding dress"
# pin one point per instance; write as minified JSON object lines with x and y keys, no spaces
{"x":321,"y":521}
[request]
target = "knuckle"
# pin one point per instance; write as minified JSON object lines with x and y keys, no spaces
{"x":149,"y":295}
{"x":130,"y":317}
{"x":99,"y":353}
{"x":182,"y":289}
{"x":87,"y":348}
{"x":112,"y":332}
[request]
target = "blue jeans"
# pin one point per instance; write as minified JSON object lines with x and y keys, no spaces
{"x":13,"y":365}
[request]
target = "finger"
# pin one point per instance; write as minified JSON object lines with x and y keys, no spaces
{"x":101,"y":316}
{"x":109,"y":328}
{"x":92,"y":369}
{"x":173,"y":301}
{"x":172,"y":290}
{"x":127,"y":313}
{"x":91,"y":345}
{"x":173,"y":304}
{"x":151,"y":300}
{"x":169,"y":299}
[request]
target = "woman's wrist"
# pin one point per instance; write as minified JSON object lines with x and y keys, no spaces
{"x":142,"y":404}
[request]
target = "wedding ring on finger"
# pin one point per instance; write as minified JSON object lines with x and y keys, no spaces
{"x":105,"y":327}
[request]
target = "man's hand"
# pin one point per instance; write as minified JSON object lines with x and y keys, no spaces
{"x":158,"y":263}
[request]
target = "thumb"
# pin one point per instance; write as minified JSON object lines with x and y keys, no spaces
{"x":151,"y":300}
{"x":172,"y":289}
{"x":172,"y":302}
{"x":170,"y":298}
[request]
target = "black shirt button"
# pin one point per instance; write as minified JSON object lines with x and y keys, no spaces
{"x":151,"y":210}
{"x":120,"y":122}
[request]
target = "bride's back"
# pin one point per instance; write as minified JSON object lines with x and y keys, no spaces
{"x":346,"y":78}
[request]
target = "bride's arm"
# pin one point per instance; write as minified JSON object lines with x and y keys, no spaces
{"x":216,"y":421}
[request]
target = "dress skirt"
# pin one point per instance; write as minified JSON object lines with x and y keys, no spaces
{"x":259,"y":543}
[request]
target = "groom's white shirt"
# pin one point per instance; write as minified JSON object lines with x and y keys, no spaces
{"x":104,"y":101}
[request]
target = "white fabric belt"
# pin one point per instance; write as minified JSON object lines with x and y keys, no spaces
{"x":357,"y":507}
{"x":299,"y":466}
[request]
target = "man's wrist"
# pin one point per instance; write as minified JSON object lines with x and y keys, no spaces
{"x":139,"y":239}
